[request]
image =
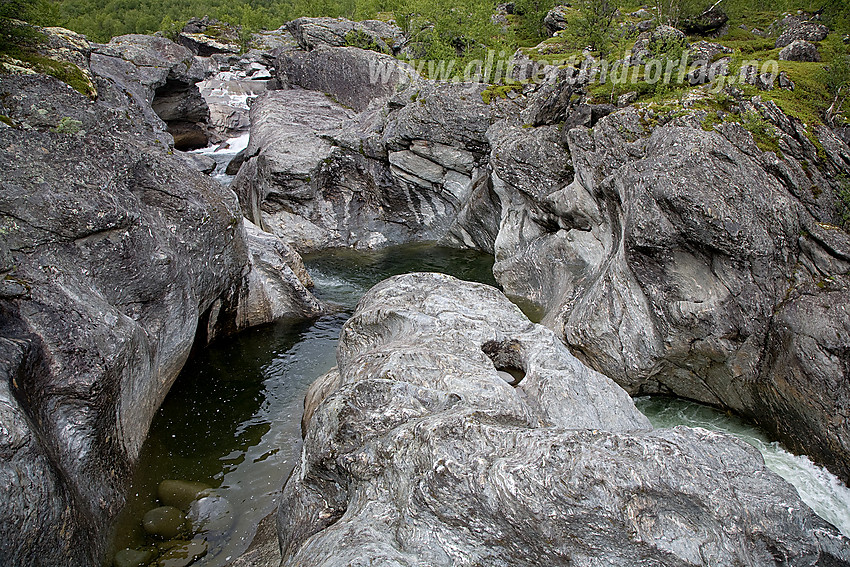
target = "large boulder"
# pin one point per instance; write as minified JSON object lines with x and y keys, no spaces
{"x":276,"y":186}
{"x":206,"y":36}
{"x":116,"y":259}
{"x":454,"y":430}
{"x":404,"y":168}
{"x":675,"y":248}
{"x":556,"y":19}
{"x":805,"y":357}
{"x":807,"y":30}
{"x":353,"y":76}
{"x":340,"y":32}
{"x":162,"y":76}
{"x":706,"y":23}
{"x":799,"y":50}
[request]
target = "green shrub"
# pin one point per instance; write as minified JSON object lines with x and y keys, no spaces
{"x":593,"y":27}
{"x":68,"y":125}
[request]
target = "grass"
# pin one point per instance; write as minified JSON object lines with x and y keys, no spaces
{"x":500,"y":91}
{"x":65,"y":71}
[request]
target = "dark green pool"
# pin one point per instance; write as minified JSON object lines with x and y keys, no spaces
{"x":232,"y":419}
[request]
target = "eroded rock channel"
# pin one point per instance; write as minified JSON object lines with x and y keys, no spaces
{"x":441,"y":425}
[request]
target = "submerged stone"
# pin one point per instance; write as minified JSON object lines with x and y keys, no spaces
{"x":183,"y":554}
{"x":165,"y":521}
{"x":211,"y":513}
{"x":132,"y":558}
{"x":180,"y":493}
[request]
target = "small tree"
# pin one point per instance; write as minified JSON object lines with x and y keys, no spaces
{"x":15,"y":14}
{"x":593,"y":27}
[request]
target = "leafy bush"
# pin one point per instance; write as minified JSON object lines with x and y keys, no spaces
{"x":532,"y":12}
{"x":13,"y":13}
{"x":593,"y":27}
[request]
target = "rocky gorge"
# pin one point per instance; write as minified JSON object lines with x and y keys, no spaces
{"x":666,"y":258}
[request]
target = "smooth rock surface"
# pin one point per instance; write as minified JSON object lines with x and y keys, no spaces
{"x":116,"y":259}
{"x":322,"y":175}
{"x":162,"y":77}
{"x":424,"y":455}
{"x":352,"y":76}
{"x":665,"y":263}
{"x":165,"y":522}
{"x":180,"y":493}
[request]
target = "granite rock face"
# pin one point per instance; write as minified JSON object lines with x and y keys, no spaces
{"x":116,"y":259}
{"x":206,"y":36}
{"x":799,"y":50}
{"x":161,"y":76}
{"x":805,"y":30}
{"x":340,"y":32}
{"x":421,"y":452}
{"x":405,"y":168}
{"x":354,"y":77}
{"x":676,"y":252}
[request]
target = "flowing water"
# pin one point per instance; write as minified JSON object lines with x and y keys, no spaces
{"x":817,"y":487}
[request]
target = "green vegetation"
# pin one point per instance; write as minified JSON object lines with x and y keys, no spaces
{"x":20,"y":42}
{"x":500,"y":91}
{"x":13,"y":12}
{"x":68,"y":125}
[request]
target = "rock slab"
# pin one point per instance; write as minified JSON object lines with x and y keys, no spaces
{"x":421,"y":453}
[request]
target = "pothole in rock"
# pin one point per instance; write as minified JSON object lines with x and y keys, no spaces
{"x":507,"y":358}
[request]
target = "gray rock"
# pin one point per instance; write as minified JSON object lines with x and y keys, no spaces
{"x":799,"y":50}
{"x":117,"y":258}
{"x":562,"y":101}
{"x":278,"y":183}
{"x":165,"y":522}
{"x":211,"y":516}
{"x":705,"y":23}
{"x":706,"y":73}
{"x":323,"y":176}
{"x":670,"y":271}
{"x":807,"y":354}
{"x":180,"y":493}
{"x":642,"y":14}
{"x":806,"y":31}
{"x":207,"y":36}
{"x":556,"y":19}
{"x":162,"y":77}
{"x":235,"y":164}
{"x":352,"y":76}
{"x":202,"y":163}
{"x":227,"y":95}
{"x":422,"y":454}
{"x":765,"y":81}
{"x":132,"y":558}
{"x":785,"y":81}
{"x":278,"y":283}
{"x":274,"y":41}
{"x":264,"y":550}
{"x":664,"y":38}
{"x":707,"y":51}
{"x":311,"y":33}
{"x":626,"y":99}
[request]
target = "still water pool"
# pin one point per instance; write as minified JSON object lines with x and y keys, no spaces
{"x":232,"y":419}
